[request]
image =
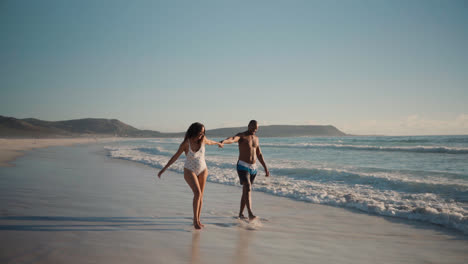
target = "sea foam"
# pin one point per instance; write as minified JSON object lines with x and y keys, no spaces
{"x":430,"y":199}
{"x":419,"y":149}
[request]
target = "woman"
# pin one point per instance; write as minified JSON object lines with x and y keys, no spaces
{"x":195,"y":170}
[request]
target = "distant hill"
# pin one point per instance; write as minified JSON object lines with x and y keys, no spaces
{"x":11,"y":127}
{"x":280,"y":131}
{"x":30,"y":127}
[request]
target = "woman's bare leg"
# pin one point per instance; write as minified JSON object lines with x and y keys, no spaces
{"x":192,"y":181}
{"x":202,"y":181}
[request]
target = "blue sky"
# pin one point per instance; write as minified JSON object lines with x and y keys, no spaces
{"x":367,"y":67}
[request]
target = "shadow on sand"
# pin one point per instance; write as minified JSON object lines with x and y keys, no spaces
{"x":66,"y":223}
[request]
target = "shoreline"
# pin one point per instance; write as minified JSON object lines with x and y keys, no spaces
{"x":11,"y":149}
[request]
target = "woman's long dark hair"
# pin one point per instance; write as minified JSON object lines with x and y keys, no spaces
{"x":193,"y":131}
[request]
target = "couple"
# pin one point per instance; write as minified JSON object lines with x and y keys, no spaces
{"x":196,"y":172}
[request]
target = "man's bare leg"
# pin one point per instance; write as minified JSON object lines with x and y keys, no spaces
{"x":242,"y":206}
{"x":248,"y":199}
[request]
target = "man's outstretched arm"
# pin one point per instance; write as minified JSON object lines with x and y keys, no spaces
{"x":231,"y":140}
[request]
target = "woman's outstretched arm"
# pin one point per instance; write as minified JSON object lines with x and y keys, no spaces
{"x":211,"y":142}
{"x":181,"y":149}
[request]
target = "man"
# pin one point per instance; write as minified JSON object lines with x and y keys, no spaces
{"x":249,"y":149}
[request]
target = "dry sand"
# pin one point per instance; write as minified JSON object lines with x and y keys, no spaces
{"x":10,"y":149}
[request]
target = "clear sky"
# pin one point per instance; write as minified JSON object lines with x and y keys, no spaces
{"x":366,"y":67}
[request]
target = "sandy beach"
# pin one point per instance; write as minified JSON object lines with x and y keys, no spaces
{"x":74,"y":204}
{"x":10,"y":149}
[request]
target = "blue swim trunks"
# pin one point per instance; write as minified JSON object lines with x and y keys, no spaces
{"x":245,"y":169}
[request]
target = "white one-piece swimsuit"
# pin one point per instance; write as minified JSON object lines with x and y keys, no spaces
{"x":195,"y":161}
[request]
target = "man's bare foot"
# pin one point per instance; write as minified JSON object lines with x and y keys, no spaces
{"x":252,"y":217}
{"x":201,"y":225}
{"x":241,"y":216}
{"x":197,"y":226}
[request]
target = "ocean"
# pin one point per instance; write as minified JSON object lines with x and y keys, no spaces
{"x":423,"y":178}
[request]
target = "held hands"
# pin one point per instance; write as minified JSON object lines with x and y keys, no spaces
{"x":220,"y":144}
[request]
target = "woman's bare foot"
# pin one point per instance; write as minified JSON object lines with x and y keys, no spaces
{"x":197,"y":226}
{"x":241,"y":216}
{"x":252,"y":217}
{"x":201,"y":225}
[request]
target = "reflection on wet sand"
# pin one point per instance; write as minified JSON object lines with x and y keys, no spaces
{"x":242,"y":247}
{"x":195,"y":256}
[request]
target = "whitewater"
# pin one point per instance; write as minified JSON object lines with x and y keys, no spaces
{"x":422,"y":178}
